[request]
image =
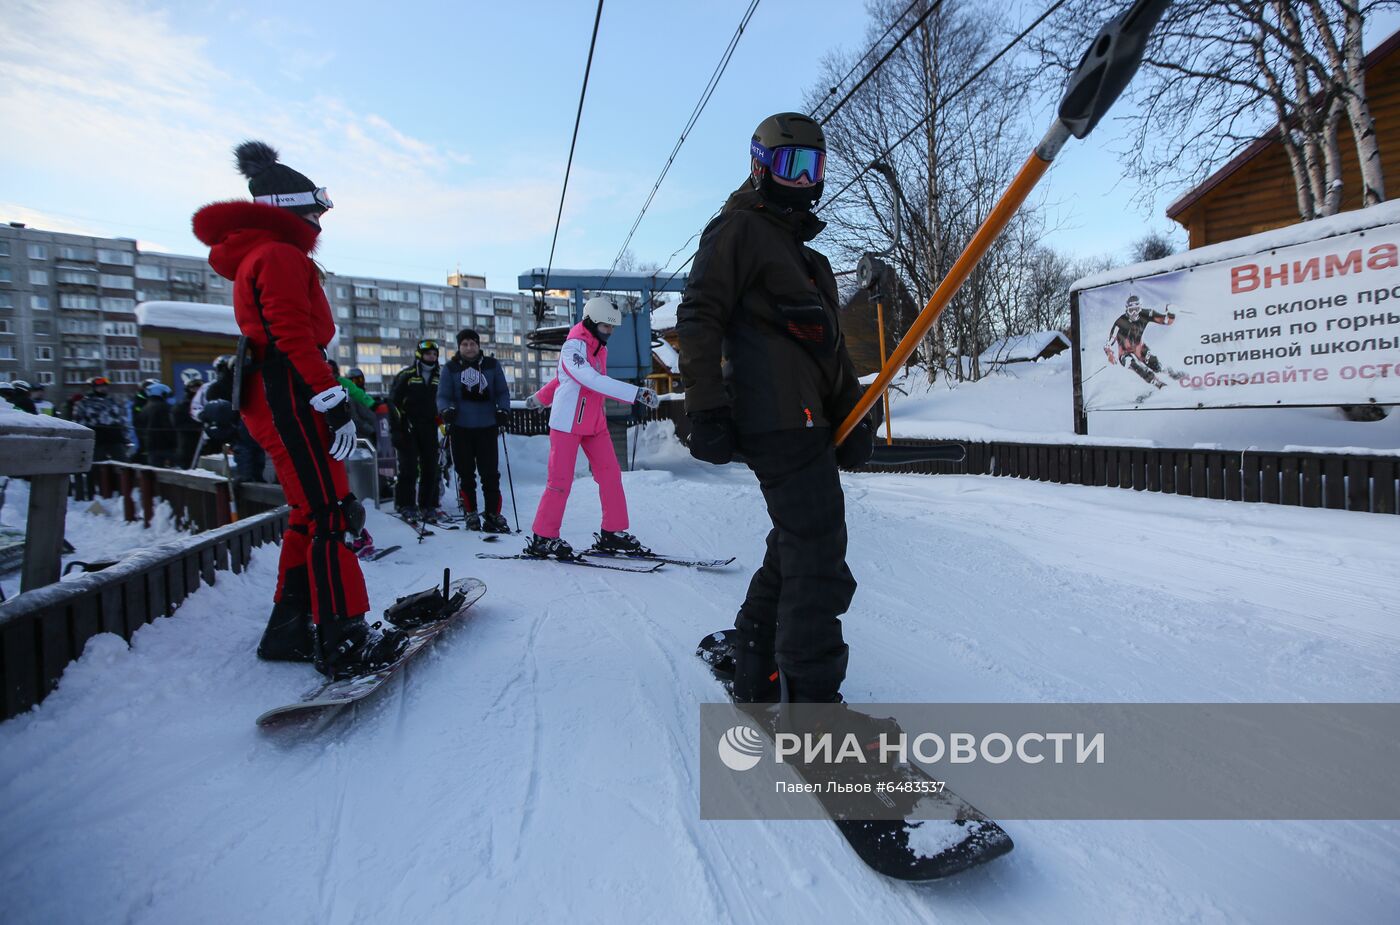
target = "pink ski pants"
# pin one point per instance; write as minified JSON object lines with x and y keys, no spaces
{"x":563,"y":452}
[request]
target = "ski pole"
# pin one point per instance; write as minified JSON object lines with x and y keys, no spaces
{"x":1103,"y":73}
{"x":511,"y":481}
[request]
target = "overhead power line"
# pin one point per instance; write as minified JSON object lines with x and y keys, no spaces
{"x":685,"y":132}
{"x":883,"y":58}
{"x":954,"y":94}
{"x":578,"y":118}
{"x":831,"y":91}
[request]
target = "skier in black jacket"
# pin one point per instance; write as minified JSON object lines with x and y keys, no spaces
{"x":186,"y":427}
{"x":156,"y":426}
{"x":767,"y":375}
{"x":413,"y":425}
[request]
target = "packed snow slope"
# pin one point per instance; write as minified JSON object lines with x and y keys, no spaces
{"x":1034,"y":403}
{"x":539,"y":764}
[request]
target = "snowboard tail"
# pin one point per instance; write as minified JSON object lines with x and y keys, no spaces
{"x":909,"y":849}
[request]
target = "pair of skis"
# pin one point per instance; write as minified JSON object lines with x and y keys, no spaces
{"x":619,"y":562}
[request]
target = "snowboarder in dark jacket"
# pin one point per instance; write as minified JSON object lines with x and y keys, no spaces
{"x":474,"y":399}
{"x":107,"y":419}
{"x":156,"y":426}
{"x":186,"y":427}
{"x":413,"y":426}
{"x":767,"y":375}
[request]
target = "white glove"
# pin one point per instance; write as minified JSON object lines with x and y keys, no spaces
{"x":343,"y":441}
{"x":325,"y":401}
{"x":533,"y":403}
{"x":648,"y":397}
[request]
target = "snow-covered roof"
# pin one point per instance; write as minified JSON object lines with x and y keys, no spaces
{"x":668,"y":356}
{"x":663,"y":317}
{"x":1385,"y":213}
{"x":188,"y":316}
{"x":1021,"y":347}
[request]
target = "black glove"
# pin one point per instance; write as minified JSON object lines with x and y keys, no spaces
{"x":712,"y":436}
{"x":502,"y":418}
{"x":859,"y":446}
{"x":339,"y":416}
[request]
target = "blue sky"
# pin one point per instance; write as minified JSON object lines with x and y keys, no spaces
{"x":441,"y":129}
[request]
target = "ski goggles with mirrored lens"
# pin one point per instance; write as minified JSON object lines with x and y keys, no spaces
{"x":317,"y":197}
{"x":790,"y":163}
{"x":425,"y":345}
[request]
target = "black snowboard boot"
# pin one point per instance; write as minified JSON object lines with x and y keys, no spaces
{"x":542,"y":547}
{"x":472,"y":521}
{"x":620,"y":543}
{"x":288,"y":634}
{"x":348,"y":648}
{"x":755,"y":676}
{"x":494,"y":523}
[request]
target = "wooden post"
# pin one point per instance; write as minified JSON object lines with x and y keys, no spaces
{"x":880,"y":320}
{"x":128,"y":503}
{"x":43,"y":539}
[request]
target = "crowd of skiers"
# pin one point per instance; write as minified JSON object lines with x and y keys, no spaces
{"x":764,"y":365}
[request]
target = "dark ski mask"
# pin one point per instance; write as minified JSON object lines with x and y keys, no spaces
{"x":591,"y":327}
{"x":799,"y":198}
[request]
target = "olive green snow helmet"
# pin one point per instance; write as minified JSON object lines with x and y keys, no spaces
{"x":784,"y":130}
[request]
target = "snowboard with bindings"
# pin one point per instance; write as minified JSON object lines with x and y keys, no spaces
{"x":315,"y":710}
{"x":903,"y":849}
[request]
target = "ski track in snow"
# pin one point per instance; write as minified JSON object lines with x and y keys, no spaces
{"x":539,"y":762}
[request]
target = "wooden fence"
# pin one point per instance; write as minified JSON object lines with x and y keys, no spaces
{"x":1342,"y":481}
{"x":201,"y":500}
{"x":41,"y":631}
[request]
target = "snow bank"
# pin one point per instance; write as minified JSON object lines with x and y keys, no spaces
{"x":539,"y":764}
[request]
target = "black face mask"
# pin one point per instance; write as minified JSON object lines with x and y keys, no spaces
{"x":799,"y":198}
{"x":592,"y":327}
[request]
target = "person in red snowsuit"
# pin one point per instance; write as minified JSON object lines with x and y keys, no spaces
{"x":298,"y":412}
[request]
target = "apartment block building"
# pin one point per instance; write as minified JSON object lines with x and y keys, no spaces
{"x":67,"y":313}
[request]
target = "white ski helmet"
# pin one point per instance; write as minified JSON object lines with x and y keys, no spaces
{"x":602,"y":311}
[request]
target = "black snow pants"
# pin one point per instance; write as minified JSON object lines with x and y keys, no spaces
{"x":475,"y":451}
{"x":796,"y":598}
{"x":418,"y":467}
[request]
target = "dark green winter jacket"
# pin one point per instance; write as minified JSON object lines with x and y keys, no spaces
{"x":758,"y":322}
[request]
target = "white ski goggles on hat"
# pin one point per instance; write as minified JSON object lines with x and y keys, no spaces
{"x":317,"y":197}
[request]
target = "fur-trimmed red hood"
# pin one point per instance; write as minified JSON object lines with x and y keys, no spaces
{"x":233,"y":228}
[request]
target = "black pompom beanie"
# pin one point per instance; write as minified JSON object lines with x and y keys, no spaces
{"x":258,"y":162}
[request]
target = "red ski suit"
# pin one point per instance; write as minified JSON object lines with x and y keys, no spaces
{"x":281,"y":308}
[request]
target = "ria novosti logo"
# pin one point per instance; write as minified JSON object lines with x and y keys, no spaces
{"x":741,"y":748}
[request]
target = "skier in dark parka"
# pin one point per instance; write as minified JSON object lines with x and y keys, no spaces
{"x":767,"y":376}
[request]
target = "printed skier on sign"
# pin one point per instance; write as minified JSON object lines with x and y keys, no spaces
{"x":575,"y":398}
{"x":1125,"y":346}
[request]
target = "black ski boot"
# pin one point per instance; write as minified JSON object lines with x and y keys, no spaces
{"x":542,"y":547}
{"x":348,"y":648}
{"x":409,"y":514}
{"x":288,"y":634}
{"x":494,"y":523}
{"x":472,"y":521}
{"x":619,"y":544}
